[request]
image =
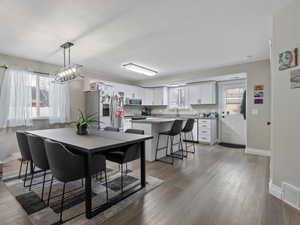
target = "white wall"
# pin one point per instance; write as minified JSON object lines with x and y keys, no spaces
{"x":285,"y":101}
{"x":258,"y":132}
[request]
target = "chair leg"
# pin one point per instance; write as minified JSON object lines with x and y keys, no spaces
{"x":62,"y":204}
{"x":157,"y":144}
{"x":20,"y":170}
{"x":50,"y":189}
{"x":43,"y":188}
{"x":82,"y":184}
{"x":25,"y":178}
{"x":122,"y":178}
{"x":105,"y":174}
{"x":31,"y":178}
{"x":126,"y":169}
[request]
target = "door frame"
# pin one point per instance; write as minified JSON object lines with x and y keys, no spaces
{"x":219,"y":86}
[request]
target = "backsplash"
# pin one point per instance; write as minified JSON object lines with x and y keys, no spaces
{"x":136,"y":110}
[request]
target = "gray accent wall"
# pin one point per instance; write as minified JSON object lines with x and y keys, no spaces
{"x":258,"y":132}
{"x":285,"y":166}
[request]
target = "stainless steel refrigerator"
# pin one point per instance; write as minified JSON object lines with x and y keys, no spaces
{"x":107,"y":108}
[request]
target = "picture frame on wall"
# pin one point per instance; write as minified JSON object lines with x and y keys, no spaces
{"x":288,"y":59}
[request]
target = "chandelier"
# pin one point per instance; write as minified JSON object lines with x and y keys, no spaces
{"x":68,"y":72}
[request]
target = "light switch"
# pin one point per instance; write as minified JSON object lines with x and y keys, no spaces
{"x":254,"y":111}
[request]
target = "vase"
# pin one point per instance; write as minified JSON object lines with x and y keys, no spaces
{"x":82,"y":130}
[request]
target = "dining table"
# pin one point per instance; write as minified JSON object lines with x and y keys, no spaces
{"x":97,"y":142}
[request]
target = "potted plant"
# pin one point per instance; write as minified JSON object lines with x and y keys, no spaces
{"x":83,"y":122}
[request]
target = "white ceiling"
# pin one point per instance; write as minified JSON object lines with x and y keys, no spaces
{"x":167,"y":35}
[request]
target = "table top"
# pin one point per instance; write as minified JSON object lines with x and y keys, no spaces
{"x":95,"y":141}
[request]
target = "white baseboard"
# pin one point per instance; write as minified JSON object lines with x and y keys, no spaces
{"x":254,"y":151}
{"x":275,"y":190}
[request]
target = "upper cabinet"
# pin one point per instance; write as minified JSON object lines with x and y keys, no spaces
{"x":203,"y":93}
{"x":179,"y":97}
{"x":155,"y":96}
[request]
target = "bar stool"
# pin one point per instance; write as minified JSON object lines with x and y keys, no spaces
{"x":188,"y":129}
{"x":175,"y":130}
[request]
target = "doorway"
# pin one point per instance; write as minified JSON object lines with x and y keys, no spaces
{"x":232,"y":125}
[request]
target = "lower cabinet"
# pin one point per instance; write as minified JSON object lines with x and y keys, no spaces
{"x":127,"y":124}
{"x":207,"y":131}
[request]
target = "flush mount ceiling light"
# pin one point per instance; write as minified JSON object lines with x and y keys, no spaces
{"x":176,"y":85}
{"x":140,"y":69}
{"x":68,"y":72}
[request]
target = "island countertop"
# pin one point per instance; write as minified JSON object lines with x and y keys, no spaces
{"x":156,"y":120}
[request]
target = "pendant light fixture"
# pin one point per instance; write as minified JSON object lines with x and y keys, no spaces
{"x":68,"y":72}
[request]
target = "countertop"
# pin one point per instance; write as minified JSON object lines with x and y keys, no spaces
{"x":170,"y":116}
{"x":154,"y":120}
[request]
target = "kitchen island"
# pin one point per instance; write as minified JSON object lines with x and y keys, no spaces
{"x":153,"y":126}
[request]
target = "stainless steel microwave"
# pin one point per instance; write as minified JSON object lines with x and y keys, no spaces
{"x":134,"y":101}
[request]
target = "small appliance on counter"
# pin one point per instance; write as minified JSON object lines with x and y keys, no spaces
{"x":146,"y":111}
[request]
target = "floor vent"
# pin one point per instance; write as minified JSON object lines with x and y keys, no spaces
{"x":291,"y":195}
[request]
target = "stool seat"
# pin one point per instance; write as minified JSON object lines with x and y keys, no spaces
{"x":168,"y":132}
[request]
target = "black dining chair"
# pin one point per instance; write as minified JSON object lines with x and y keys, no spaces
{"x":126,"y":154}
{"x":67,"y":167}
{"x":174,"y":131}
{"x":39,"y":158}
{"x":25,"y":153}
{"x":188,"y":129}
{"x":112,"y":129}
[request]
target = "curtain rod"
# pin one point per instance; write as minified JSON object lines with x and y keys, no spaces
{"x":42,"y":73}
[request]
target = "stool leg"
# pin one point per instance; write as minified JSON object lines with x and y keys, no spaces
{"x":106,"y":185}
{"x":157,"y":144}
{"x":167,"y":148}
{"x":194,"y":150}
{"x":181,"y":146}
{"x":186,"y":145}
{"x":122,"y":178}
{"x":172,"y":139}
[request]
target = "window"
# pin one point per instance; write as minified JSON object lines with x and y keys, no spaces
{"x":40,"y":96}
{"x":233,"y":100}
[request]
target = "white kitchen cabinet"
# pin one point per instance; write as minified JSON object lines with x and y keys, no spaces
{"x":127,"y":124}
{"x":155,"y":96}
{"x":148,"y":96}
{"x":179,"y":97}
{"x":160,"y":96}
{"x":207,"y":131}
{"x":203,"y":93}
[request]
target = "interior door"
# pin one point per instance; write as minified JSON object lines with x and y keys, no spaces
{"x":232,"y":125}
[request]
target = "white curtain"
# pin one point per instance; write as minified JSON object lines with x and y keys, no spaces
{"x":59,"y":103}
{"x":16,"y":99}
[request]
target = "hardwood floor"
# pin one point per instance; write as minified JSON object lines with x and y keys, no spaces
{"x":216,"y":186}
